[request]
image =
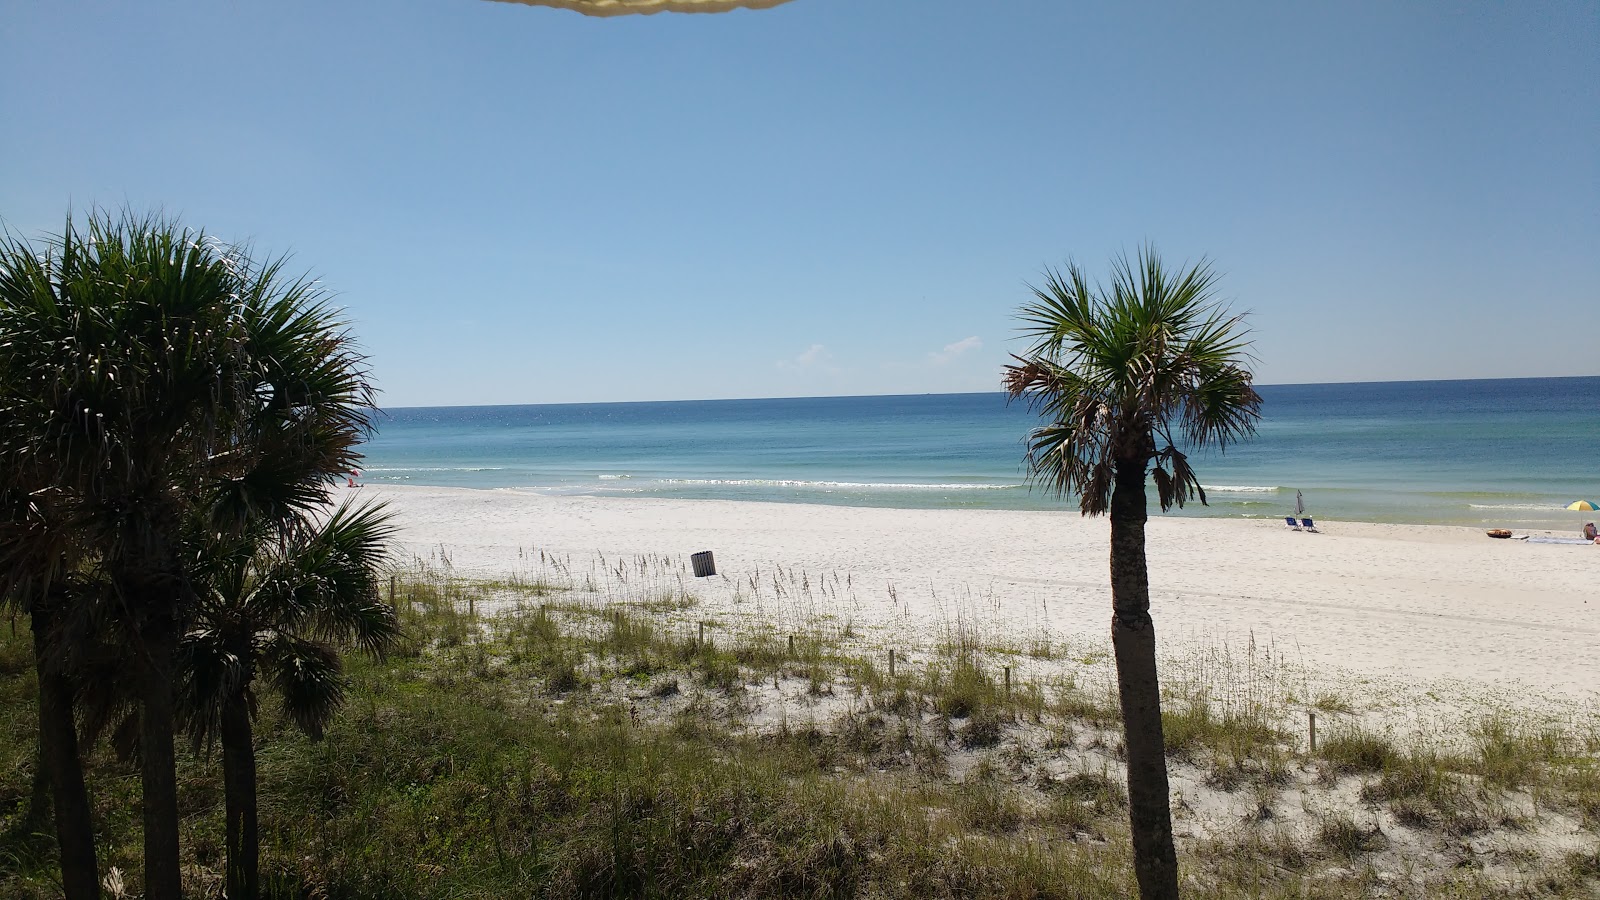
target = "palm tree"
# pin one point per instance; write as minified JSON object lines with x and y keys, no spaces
{"x":276,"y":603}
{"x":148,"y":373}
{"x":276,"y":594}
{"x":1124,"y":374}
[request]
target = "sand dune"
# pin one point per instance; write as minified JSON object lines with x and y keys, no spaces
{"x":1420,"y":603}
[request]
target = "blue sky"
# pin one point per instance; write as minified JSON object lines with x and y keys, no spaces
{"x":523,"y":205}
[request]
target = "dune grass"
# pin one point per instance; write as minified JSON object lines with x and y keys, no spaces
{"x":534,"y":739}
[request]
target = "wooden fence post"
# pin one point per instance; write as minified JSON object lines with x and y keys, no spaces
{"x":891,"y":662}
{"x":1313,"y":717}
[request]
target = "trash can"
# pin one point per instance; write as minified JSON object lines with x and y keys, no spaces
{"x":703,"y":564}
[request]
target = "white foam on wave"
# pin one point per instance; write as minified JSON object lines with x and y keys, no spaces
{"x":1238,"y":489}
{"x":435,"y":469}
{"x":614,"y":477}
{"x":1543,"y":507}
{"x":834,"y":485}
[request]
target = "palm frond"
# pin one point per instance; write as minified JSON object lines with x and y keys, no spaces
{"x":1116,"y":369}
{"x":308,"y":678}
{"x":211,"y":675}
{"x":172,"y":414}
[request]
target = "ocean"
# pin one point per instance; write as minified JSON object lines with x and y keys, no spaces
{"x":1503,"y":452}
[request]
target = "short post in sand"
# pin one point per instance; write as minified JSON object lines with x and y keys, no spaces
{"x":392,"y":580}
{"x":702,"y":634}
{"x":1313,"y":717}
{"x":1008,"y":682}
{"x":891,"y":662}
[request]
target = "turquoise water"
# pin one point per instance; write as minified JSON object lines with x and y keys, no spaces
{"x":1506,"y":452}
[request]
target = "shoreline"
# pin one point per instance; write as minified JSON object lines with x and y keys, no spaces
{"x":1541,"y":518}
{"x":1418,"y":604}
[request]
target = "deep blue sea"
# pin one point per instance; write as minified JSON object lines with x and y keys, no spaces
{"x":1508,"y":452}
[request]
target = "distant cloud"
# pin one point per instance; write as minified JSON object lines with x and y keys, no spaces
{"x":814,"y":354}
{"x":951,"y":351}
{"x":815,"y":357}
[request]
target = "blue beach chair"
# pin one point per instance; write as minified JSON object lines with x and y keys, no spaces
{"x":1289,"y":521}
{"x":1310,"y":526}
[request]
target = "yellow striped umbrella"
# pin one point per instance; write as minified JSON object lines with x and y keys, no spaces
{"x":649,"y":7}
{"x":1583,"y":506}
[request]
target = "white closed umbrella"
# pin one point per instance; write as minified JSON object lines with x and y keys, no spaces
{"x":649,"y":7}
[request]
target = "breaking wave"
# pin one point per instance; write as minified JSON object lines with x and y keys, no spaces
{"x":846,"y":485}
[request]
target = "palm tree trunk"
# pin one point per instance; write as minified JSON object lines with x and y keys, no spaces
{"x":1133,"y":638}
{"x":58,"y":753}
{"x":239,"y":786}
{"x":158,"y":767}
{"x":39,"y":805}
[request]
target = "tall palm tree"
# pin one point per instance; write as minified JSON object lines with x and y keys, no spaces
{"x":42,"y":557}
{"x":120,"y":349}
{"x":149,"y":372}
{"x":276,"y":603}
{"x":1125,"y":375}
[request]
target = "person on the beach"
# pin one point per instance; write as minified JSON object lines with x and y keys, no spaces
{"x":350,"y":481}
{"x":1589,"y":533}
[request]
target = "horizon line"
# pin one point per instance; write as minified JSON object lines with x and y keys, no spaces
{"x":946,"y":393}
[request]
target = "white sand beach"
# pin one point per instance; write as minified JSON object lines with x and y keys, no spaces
{"x":1413,"y":604}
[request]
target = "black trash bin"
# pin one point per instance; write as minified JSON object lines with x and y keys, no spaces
{"x":703,"y":564}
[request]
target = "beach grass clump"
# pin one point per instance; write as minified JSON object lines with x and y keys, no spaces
{"x":865,"y":734}
{"x":1339,"y":834}
{"x":1187,"y":726}
{"x":763,"y":653}
{"x":1097,"y":708}
{"x":1097,"y":788}
{"x":562,"y":676}
{"x":984,"y":728}
{"x":1578,"y":786}
{"x":1509,"y":756}
{"x":1426,"y":790}
{"x":511,"y":586}
{"x":668,"y":601}
{"x":1258,"y":856}
{"x":717,"y":668}
{"x":529,"y":632}
{"x":433,"y":614}
{"x":1084,"y":802}
{"x":1356,"y":749}
{"x":961,"y":688}
{"x":985,"y":801}
{"x":1583,"y":866}
{"x":1333,"y":702}
{"x":632,"y":641}
{"x":900,"y":699}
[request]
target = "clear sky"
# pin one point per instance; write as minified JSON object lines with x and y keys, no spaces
{"x":524,"y":205}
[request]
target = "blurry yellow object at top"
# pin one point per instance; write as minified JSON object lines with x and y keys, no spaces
{"x":649,"y":7}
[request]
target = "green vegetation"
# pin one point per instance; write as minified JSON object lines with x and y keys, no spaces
{"x":548,"y":745}
{"x":172,"y":416}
